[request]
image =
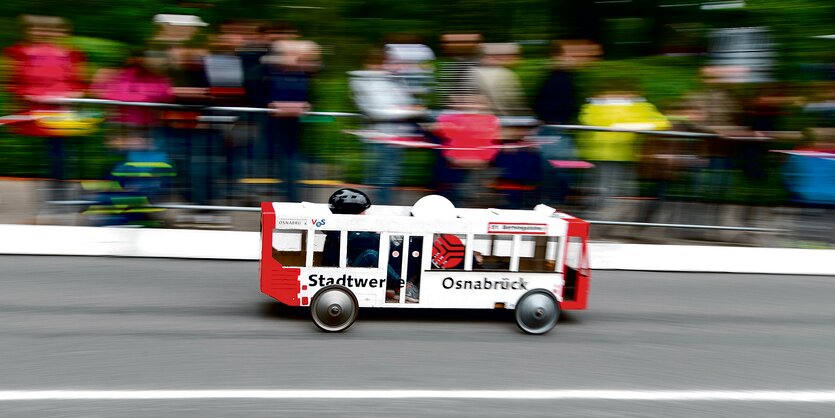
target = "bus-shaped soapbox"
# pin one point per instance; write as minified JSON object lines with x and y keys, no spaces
{"x":430,"y":255}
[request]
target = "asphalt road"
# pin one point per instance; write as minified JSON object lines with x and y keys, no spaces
{"x":150,"y":324}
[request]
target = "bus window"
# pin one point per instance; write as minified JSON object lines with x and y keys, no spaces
{"x":326,"y":249}
{"x":395,"y":269}
{"x":572,"y":255}
{"x":496,"y":254}
{"x":448,"y":251}
{"x":414,"y":264}
{"x":572,"y":265}
{"x":538,"y":253}
{"x":363,"y":249}
{"x":289,"y":247}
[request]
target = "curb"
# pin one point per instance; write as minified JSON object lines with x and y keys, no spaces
{"x":239,"y":245}
{"x":124,"y":242}
{"x":699,"y":258}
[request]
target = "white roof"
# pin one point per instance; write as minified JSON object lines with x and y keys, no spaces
{"x":543,"y":219}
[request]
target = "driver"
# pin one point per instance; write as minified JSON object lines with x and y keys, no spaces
{"x":363,"y":247}
{"x":349,"y":202}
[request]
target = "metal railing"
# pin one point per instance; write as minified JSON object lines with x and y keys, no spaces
{"x":689,"y":226}
{"x":233,"y":109}
{"x":664,"y":133}
{"x":222,"y":208}
{"x":218,"y":208}
{"x":506,"y":121}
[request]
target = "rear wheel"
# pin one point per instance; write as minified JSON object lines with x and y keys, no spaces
{"x":334,"y":308}
{"x":537,"y":311}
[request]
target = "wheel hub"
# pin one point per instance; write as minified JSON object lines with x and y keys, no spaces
{"x":537,"y":313}
{"x":334,"y":310}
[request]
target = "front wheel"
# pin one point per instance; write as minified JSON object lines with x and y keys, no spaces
{"x":537,"y":311}
{"x":334,"y":308}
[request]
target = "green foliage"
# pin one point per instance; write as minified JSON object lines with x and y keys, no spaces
{"x":660,"y":79}
{"x":20,"y":156}
{"x":100,"y":52}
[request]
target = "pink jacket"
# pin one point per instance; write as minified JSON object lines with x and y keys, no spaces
{"x":133,"y":85}
{"x":44,"y":70}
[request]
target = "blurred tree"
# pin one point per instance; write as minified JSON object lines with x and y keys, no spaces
{"x":126,"y":20}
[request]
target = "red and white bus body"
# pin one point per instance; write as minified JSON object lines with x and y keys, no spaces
{"x":520,"y":250}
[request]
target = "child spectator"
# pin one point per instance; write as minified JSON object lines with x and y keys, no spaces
{"x":42,"y":67}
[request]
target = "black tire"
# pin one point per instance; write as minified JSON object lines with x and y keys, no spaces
{"x":334,"y":308}
{"x":537,"y":312}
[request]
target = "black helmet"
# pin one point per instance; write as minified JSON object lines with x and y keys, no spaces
{"x":349,"y":202}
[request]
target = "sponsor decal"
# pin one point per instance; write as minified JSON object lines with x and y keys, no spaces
{"x":291,"y":222}
{"x":485,"y":284}
{"x":447,"y":252}
{"x":317,"y":222}
{"x":344,"y":280}
{"x":517,"y":228}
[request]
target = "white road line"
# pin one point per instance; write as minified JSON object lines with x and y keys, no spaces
{"x":823,"y":396}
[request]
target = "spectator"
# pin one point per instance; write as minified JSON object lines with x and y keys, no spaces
{"x":260,"y":148}
{"x":138,"y":81}
{"x":765,"y":114}
{"x":558,"y":102}
{"x":499,"y":85}
{"x":226,"y":83}
{"x":520,"y":169}
{"x":142,"y":173}
{"x":42,"y":67}
{"x":820,"y":112}
{"x":285,"y":75}
{"x":391,"y":110}
{"x":665,"y":161}
{"x":713,"y":109}
{"x":469,"y":135}
{"x":412,"y":64}
{"x":189,"y":140}
{"x":255,"y":46}
{"x":809,"y":177}
{"x":460,"y":52}
{"x":616,"y":153}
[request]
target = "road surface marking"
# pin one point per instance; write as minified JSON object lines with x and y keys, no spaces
{"x":822,"y":396}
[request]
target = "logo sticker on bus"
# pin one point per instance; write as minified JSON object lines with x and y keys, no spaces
{"x":344,"y":280}
{"x":485,"y":284}
{"x":517,"y":228}
{"x":291,"y":222}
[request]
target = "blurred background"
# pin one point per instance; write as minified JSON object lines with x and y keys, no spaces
{"x":166,"y":114}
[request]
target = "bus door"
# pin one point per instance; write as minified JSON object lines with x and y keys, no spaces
{"x":576,"y":267}
{"x":405,"y":261}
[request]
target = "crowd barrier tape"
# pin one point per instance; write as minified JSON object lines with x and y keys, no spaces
{"x":239,"y":245}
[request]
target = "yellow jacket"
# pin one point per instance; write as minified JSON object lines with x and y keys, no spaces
{"x":628,"y":113}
